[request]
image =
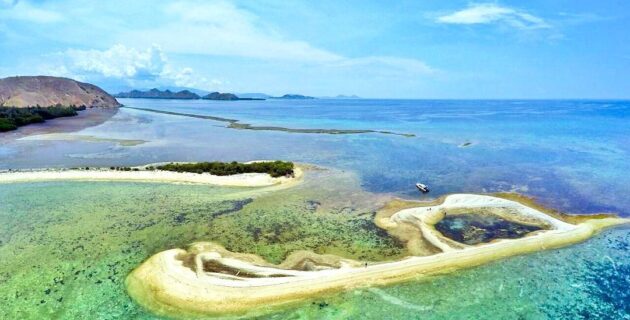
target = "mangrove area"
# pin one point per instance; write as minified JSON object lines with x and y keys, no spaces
{"x":11,"y":117}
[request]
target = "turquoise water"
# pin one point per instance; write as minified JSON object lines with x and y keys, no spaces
{"x":586,"y":281}
{"x":570,"y":155}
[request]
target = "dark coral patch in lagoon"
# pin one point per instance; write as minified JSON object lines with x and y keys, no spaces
{"x":471,"y":228}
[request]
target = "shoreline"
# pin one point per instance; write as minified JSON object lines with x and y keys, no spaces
{"x":84,"y":119}
{"x":158,"y":176}
{"x":175,"y":282}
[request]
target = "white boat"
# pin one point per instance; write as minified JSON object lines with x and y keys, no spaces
{"x":422,"y":187}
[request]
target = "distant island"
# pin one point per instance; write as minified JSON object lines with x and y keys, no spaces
{"x":226,"y":96}
{"x":158,"y":94}
{"x":223,"y":96}
{"x":183,"y":94}
{"x":35,"y":99}
{"x":294,"y":97}
{"x":343,"y":97}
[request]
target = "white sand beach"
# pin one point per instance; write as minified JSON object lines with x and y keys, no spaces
{"x":101,"y":174}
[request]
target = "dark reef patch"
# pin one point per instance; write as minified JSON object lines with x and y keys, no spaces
{"x":471,"y":228}
{"x":235,"y":206}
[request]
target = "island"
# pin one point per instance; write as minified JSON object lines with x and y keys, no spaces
{"x":158,"y":94}
{"x":205,"y":279}
{"x":294,"y":97}
{"x":249,"y":174}
{"x":34,"y":99}
{"x":226,"y":96}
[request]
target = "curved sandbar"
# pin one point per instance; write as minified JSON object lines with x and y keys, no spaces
{"x":206,"y":279}
{"x":102,"y":174}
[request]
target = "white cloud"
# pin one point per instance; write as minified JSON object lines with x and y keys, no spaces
{"x":136,"y":67}
{"x":220,"y":28}
{"x":395,"y":64}
{"x":487,"y":13}
{"x":119,"y":62}
{"x":213,"y":30}
{"x":22,"y":10}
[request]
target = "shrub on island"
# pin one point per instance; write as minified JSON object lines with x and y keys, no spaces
{"x":274,"y":168}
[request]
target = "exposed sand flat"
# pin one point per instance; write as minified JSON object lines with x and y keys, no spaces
{"x":206,"y":279}
{"x":238,"y":180}
{"x":79,"y":137}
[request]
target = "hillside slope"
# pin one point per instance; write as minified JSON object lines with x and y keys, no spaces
{"x":46,"y":91}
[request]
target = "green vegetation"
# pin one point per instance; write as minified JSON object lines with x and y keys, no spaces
{"x":11,"y":118}
{"x":275,"y":168}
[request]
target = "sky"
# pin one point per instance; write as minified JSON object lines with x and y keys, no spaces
{"x":537,"y":49}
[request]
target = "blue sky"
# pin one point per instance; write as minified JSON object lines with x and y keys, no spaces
{"x":388,"y":49}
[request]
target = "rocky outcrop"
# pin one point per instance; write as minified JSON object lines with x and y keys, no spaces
{"x":44,"y":91}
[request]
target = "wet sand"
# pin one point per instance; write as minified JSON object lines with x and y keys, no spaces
{"x":85,"y":119}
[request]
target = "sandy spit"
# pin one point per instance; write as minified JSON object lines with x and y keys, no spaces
{"x":238,"y":180}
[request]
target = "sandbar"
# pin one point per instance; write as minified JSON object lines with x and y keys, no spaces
{"x":206,"y":279}
{"x":142,"y":175}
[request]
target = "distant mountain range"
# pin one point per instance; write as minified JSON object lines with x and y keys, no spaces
{"x":193,"y":94}
{"x":183,"y":94}
{"x":158,"y":94}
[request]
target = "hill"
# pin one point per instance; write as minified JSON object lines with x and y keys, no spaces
{"x":45,"y":91}
{"x":220,"y":96}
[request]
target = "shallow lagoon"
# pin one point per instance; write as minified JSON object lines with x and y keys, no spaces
{"x":66,"y":248}
{"x":571,"y":155}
